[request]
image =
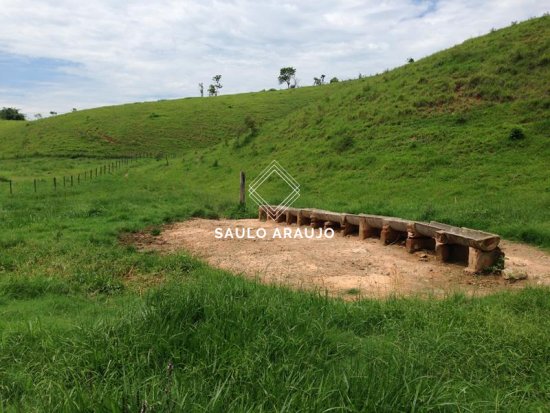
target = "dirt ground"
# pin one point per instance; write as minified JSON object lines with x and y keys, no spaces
{"x":342,"y":266}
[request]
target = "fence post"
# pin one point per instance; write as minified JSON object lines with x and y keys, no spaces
{"x":71,"y":180}
{"x":11,"y":190}
{"x":242,"y":193}
{"x":34,"y":183}
{"x":55,"y":183}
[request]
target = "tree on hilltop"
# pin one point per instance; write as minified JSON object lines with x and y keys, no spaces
{"x":11,"y":114}
{"x":287,"y":75}
{"x":214,"y":88}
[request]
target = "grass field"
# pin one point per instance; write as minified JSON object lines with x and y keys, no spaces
{"x":87,"y":323}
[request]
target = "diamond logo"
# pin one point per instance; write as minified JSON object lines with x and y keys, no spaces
{"x":274,"y":168}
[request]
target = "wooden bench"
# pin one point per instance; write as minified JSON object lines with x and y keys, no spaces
{"x":478,"y":249}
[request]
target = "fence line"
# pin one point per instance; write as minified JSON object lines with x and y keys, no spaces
{"x":105,"y":169}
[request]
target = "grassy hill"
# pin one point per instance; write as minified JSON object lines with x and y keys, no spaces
{"x":88,"y":323}
{"x":164,"y":126}
{"x":429,"y":140}
{"x":461,"y":136}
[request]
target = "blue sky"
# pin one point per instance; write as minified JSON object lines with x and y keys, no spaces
{"x":56,"y":55}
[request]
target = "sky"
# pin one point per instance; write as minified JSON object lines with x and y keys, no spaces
{"x":64,"y":54}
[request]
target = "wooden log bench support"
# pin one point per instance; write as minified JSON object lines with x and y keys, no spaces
{"x":419,"y":237}
{"x":262,"y":212}
{"x":351,"y":225}
{"x":304,"y":217}
{"x":393,"y":230}
{"x":291,"y":216}
{"x":371,"y":226}
{"x":479,"y":260}
{"x":478,"y":249}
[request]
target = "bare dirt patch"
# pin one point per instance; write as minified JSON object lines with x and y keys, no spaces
{"x":341,"y":266}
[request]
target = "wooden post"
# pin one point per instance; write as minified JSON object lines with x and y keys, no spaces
{"x":71,"y":180}
{"x":388,"y":235}
{"x":242,"y":198}
{"x":34,"y":185}
{"x":55,"y":183}
{"x":11,"y":190}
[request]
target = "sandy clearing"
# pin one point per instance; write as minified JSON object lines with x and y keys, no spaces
{"x":342,"y":266}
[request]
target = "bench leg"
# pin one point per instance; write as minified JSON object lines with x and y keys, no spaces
{"x":388,"y":235}
{"x":366,"y":231}
{"x":442,"y":251}
{"x":302,"y":220}
{"x":479,"y":260}
{"x":262,"y":215}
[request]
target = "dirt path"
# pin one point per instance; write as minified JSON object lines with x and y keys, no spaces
{"x":343,"y":266}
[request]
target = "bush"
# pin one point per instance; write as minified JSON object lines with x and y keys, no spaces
{"x":11,"y":114}
{"x":516,"y":134}
{"x":334,"y":80}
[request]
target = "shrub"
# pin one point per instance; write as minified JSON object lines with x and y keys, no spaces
{"x":11,"y":114}
{"x":516,"y":134}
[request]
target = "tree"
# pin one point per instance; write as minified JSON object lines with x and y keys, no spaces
{"x":287,"y":75}
{"x":201,"y":89}
{"x":212,"y":91}
{"x":11,"y":114}
{"x":410,"y":60}
{"x":214,"y":88}
{"x":318,"y":81}
{"x":38,"y":116}
{"x":75,"y":109}
{"x":334,"y":80}
{"x":52,"y":113}
{"x":216,"y":79}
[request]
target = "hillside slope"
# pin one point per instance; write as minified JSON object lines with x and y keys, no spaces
{"x":429,"y":140}
{"x":164,"y":126}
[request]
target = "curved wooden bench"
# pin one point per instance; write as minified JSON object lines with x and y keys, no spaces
{"x":478,"y":248}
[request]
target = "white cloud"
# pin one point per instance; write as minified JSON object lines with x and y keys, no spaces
{"x":136,"y":50}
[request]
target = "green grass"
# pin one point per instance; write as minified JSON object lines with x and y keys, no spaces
{"x":87,"y":323}
{"x":152,"y":127}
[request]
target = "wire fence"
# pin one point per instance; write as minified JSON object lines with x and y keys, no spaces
{"x":56,"y":183}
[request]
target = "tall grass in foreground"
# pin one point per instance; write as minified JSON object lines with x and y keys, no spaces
{"x":207,"y":341}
